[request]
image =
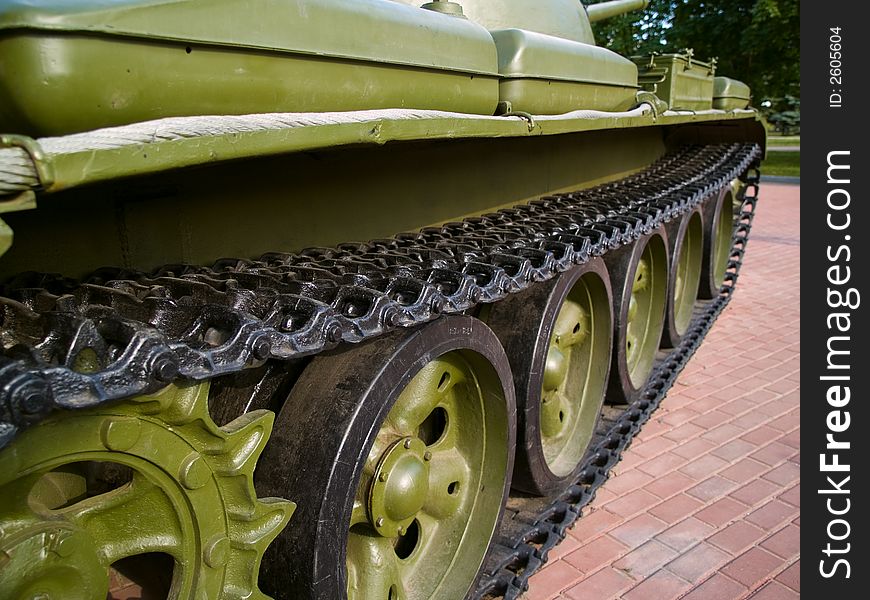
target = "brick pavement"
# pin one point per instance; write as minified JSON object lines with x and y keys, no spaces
{"x":705,"y":504}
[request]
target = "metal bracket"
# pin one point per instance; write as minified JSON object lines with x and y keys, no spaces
{"x":657,"y":104}
{"x":523,"y":115}
{"x":25,"y":200}
{"x":690,"y":52}
{"x":43,"y":166}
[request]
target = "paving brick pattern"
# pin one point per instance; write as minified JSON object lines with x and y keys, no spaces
{"x":705,"y":504}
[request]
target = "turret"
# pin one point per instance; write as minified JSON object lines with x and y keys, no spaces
{"x":605,"y":10}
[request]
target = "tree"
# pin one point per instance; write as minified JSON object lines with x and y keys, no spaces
{"x":639,"y":32}
{"x":755,"y":41}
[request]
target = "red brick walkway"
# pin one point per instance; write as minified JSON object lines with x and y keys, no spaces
{"x":705,"y":504}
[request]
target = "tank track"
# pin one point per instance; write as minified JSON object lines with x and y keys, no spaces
{"x":530,"y":526}
{"x":118,"y":333}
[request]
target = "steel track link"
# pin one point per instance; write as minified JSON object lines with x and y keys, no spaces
{"x":67,"y":344}
{"x":531,"y":527}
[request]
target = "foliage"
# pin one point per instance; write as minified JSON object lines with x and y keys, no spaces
{"x":639,"y":32}
{"x":755,"y":41}
{"x":784,"y":114}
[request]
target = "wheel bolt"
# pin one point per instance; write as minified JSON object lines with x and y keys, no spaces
{"x":379,"y":522}
{"x":32,"y":403}
{"x":382,"y":477}
{"x":32,"y":397}
{"x":333,"y":334}
{"x":392,"y":318}
{"x":217,"y":551}
{"x":427,"y":455}
{"x":262,"y":348}
{"x":407,"y":443}
{"x":165,"y":369}
{"x":120,"y":433}
{"x":194,"y":472}
{"x":67,"y":546}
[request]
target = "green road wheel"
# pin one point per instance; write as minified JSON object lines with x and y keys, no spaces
{"x":639,"y":279}
{"x":718,"y":231}
{"x":147,"y":482}
{"x":403,"y":447}
{"x":686,"y":241}
{"x":558,"y":336}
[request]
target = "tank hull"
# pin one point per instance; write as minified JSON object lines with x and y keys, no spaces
{"x":181,"y":58}
{"x":302,"y":248}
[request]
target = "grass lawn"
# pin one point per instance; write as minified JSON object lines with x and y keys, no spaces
{"x":782,"y":163}
{"x":783,"y":140}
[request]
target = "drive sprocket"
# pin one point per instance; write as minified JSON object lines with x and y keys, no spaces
{"x":154,"y":476}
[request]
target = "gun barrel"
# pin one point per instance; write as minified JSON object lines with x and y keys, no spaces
{"x":605,"y":10}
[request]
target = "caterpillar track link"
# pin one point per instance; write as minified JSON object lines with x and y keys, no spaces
{"x":184,"y":323}
{"x":472,"y":250}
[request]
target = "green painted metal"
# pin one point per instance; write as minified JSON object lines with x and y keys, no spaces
{"x":6,"y":237}
{"x":244,"y":208}
{"x":575,"y":374}
{"x":43,"y":168}
{"x":21,"y":201}
{"x":678,"y":79}
{"x":722,"y":241}
{"x":730,"y":94}
{"x":543,"y":74}
{"x":528,"y":54}
{"x":605,"y":10}
{"x":86,"y":167}
{"x":419,"y":515}
{"x":24,"y":200}
{"x":400,"y":486}
{"x":126,"y":217}
{"x":189,"y":495}
{"x":226,"y":57}
{"x":445,"y":7}
{"x":688,"y":273}
{"x":646,"y":311}
{"x":561,"y":18}
{"x":426,"y":504}
{"x":556,"y":97}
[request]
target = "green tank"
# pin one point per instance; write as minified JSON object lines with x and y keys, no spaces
{"x":328,"y":299}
